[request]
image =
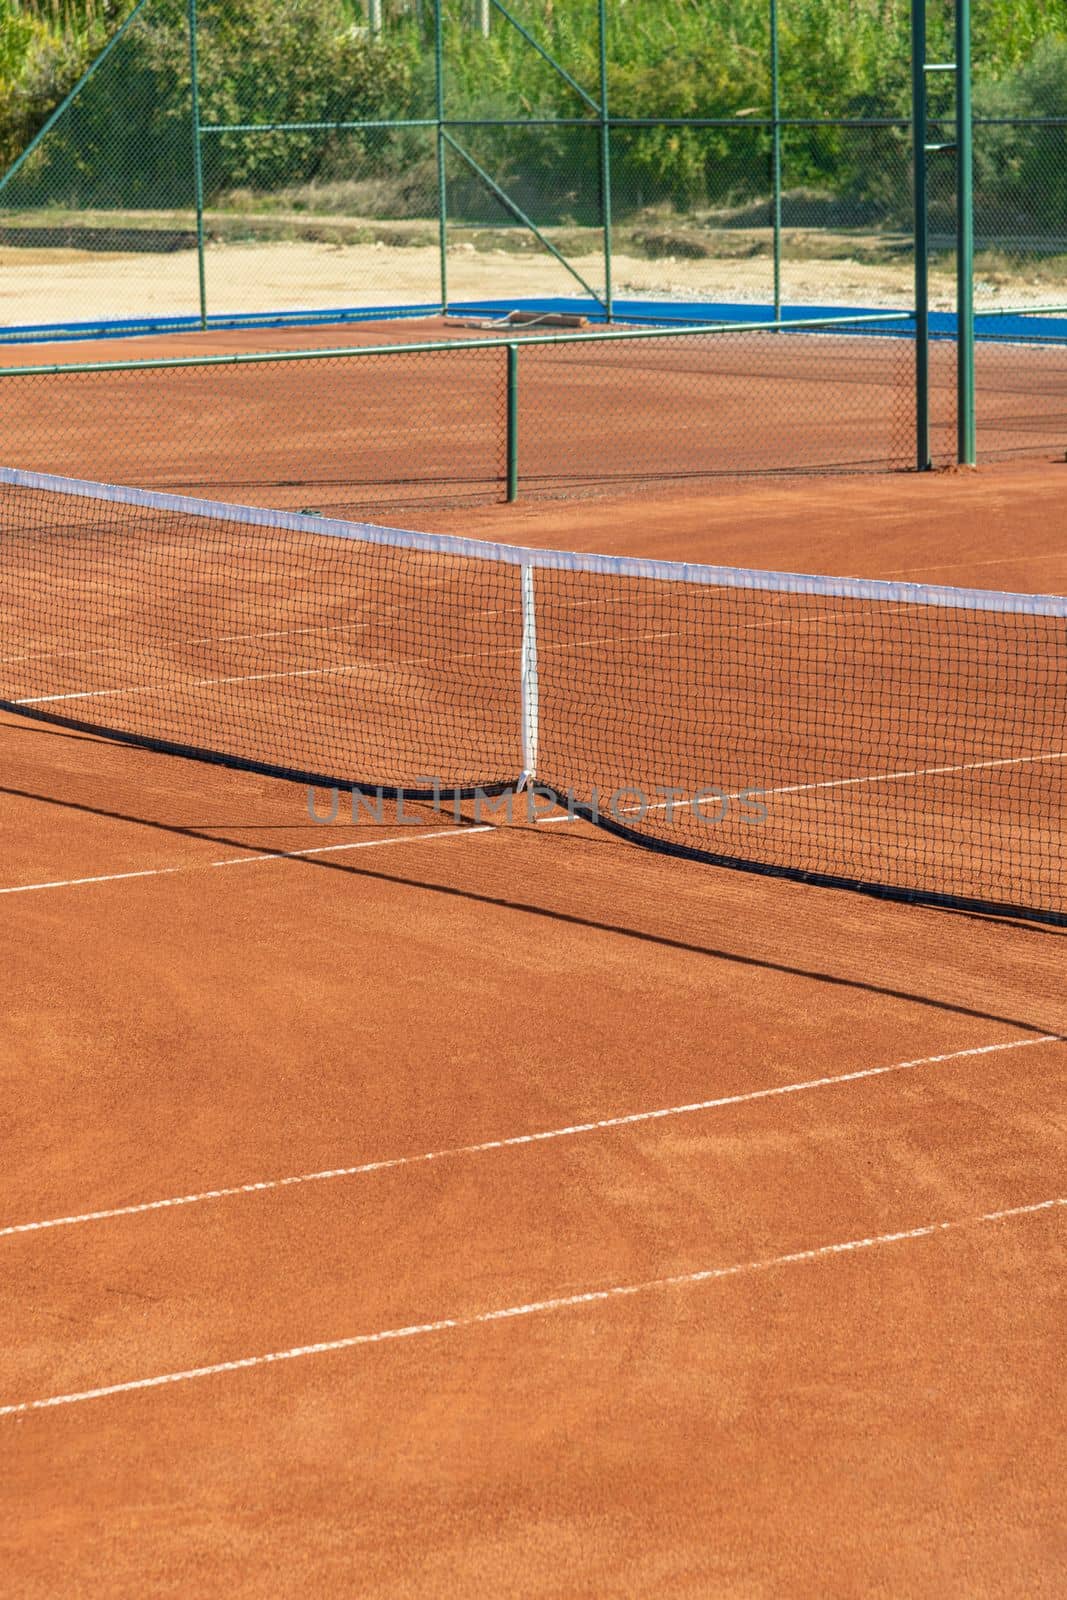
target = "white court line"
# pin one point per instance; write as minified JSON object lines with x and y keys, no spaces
{"x":247,"y":861}
{"x":365,"y":617}
{"x":205,"y":683}
{"x":514,"y":1141}
{"x":921,"y":772}
{"x":839,"y":783}
{"x":371,"y":613}
{"x":563,"y":816}
{"x":567,"y":1302}
{"x":372,"y":667}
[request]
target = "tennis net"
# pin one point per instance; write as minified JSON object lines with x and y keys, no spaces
{"x":903,"y":740}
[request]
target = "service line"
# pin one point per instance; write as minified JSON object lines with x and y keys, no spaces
{"x":514,"y":1141}
{"x":567,"y":1302}
{"x":248,"y":861}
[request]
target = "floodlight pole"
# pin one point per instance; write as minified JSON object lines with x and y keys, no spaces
{"x":198,"y":154}
{"x":965,"y":377}
{"x":921,"y":234}
{"x":776,"y":162}
{"x":605,"y":157}
{"x":442,"y":175}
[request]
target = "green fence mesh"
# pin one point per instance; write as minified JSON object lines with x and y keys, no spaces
{"x":400,"y":427}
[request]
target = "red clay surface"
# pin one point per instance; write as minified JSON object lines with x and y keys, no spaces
{"x":784,"y":1418}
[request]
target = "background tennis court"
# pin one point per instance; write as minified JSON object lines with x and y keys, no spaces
{"x":417,"y":426}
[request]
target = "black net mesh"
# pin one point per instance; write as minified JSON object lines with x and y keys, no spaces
{"x":886,"y":737}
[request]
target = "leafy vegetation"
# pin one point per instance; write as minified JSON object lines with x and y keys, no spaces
{"x":44,"y":47}
{"x":126,"y":140}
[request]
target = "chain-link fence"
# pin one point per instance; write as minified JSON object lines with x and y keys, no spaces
{"x":476,"y":419}
{"x":244,"y":161}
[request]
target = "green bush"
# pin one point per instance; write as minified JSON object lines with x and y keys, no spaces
{"x":1021,"y":172}
{"x":127,"y":138}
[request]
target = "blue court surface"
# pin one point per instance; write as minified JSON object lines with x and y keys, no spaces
{"x":1015,"y":326}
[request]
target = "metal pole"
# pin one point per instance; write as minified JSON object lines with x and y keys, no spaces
{"x":484,"y":9}
{"x":198,"y":156}
{"x":776,"y":163}
{"x":605,"y":155}
{"x":921,"y":235}
{"x":529,"y":679}
{"x":513,"y":423}
{"x":965,"y":381}
{"x":442,"y":176}
{"x":374,"y":17}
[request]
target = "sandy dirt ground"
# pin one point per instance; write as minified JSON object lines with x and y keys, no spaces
{"x":54,"y":286}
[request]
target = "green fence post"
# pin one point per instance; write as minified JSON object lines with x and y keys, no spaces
{"x":198,"y":156}
{"x":513,"y":423}
{"x":921,"y":235}
{"x":776,"y":162}
{"x":605,"y":154}
{"x":442,"y":176}
{"x":965,"y":380}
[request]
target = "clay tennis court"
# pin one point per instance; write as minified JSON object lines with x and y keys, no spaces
{"x":451,"y":1207}
{"x":425,"y":429}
